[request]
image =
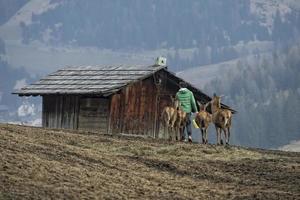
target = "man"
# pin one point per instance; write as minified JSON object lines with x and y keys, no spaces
{"x":187,"y":103}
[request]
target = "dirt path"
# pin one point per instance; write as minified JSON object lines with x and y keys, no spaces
{"x":38,"y":163}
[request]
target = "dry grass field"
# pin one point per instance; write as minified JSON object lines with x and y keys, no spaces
{"x":38,"y":163}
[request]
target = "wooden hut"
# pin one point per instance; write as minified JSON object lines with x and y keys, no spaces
{"x":107,"y":99}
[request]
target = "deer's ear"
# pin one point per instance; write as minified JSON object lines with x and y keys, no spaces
{"x":205,"y":106}
{"x":172,"y":98}
{"x":199,"y":104}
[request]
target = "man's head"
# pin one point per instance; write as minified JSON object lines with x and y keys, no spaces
{"x":182,"y":84}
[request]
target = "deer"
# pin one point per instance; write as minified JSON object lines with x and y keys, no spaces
{"x":180,"y":123}
{"x":221,"y":118}
{"x":203,"y":119}
{"x":169,"y":117}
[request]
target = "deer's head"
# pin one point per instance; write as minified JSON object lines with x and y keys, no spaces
{"x":202,"y":107}
{"x":216,"y":101}
{"x":175,"y":102}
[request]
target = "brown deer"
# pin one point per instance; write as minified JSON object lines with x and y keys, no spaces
{"x":203,"y":119}
{"x":221,"y":118}
{"x":180,"y":123}
{"x":169,"y":117}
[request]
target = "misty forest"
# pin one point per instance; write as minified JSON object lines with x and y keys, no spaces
{"x":247,"y":51}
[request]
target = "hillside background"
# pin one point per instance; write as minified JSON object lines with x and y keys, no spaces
{"x":247,"y":50}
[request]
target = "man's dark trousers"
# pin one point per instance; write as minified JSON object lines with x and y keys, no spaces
{"x":188,"y":125}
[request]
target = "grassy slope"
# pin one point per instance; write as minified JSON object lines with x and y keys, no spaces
{"x":43,"y":163}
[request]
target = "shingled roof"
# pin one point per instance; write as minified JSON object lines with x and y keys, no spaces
{"x":100,"y":80}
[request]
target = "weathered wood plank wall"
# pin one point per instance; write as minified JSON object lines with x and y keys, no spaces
{"x":93,"y":114}
{"x":137,"y":108}
{"x":75,"y":112}
{"x":132,"y":110}
{"x":60,"y":111}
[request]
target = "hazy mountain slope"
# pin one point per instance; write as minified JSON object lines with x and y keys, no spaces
{"x":152,"y":24}
{"x":9,"y":7}
{"x":189,"y":33}
{"x":202,"y":75}
{"x":265,"y":90}
{"x":59,"y":164}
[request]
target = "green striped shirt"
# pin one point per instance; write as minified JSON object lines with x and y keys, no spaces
{"x":187,"y":100}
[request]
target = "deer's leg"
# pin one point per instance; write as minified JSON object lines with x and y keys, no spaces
{"x":164,"y":129}
{"x":178,"y":133}
{"x":166,"y":122}
{"x":218,"y":136}
{"x":202,"y":134}
{"x":175,"y":133}
{"x":167,"y":132}
{"x":171,"y":133}
{"x":221,"y":140}
{"x":174,"y":129}
{"x":228,"y":130}
{"x":205,"y":131}
{"x":181,"y":133}
{"x":225,"y":136}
